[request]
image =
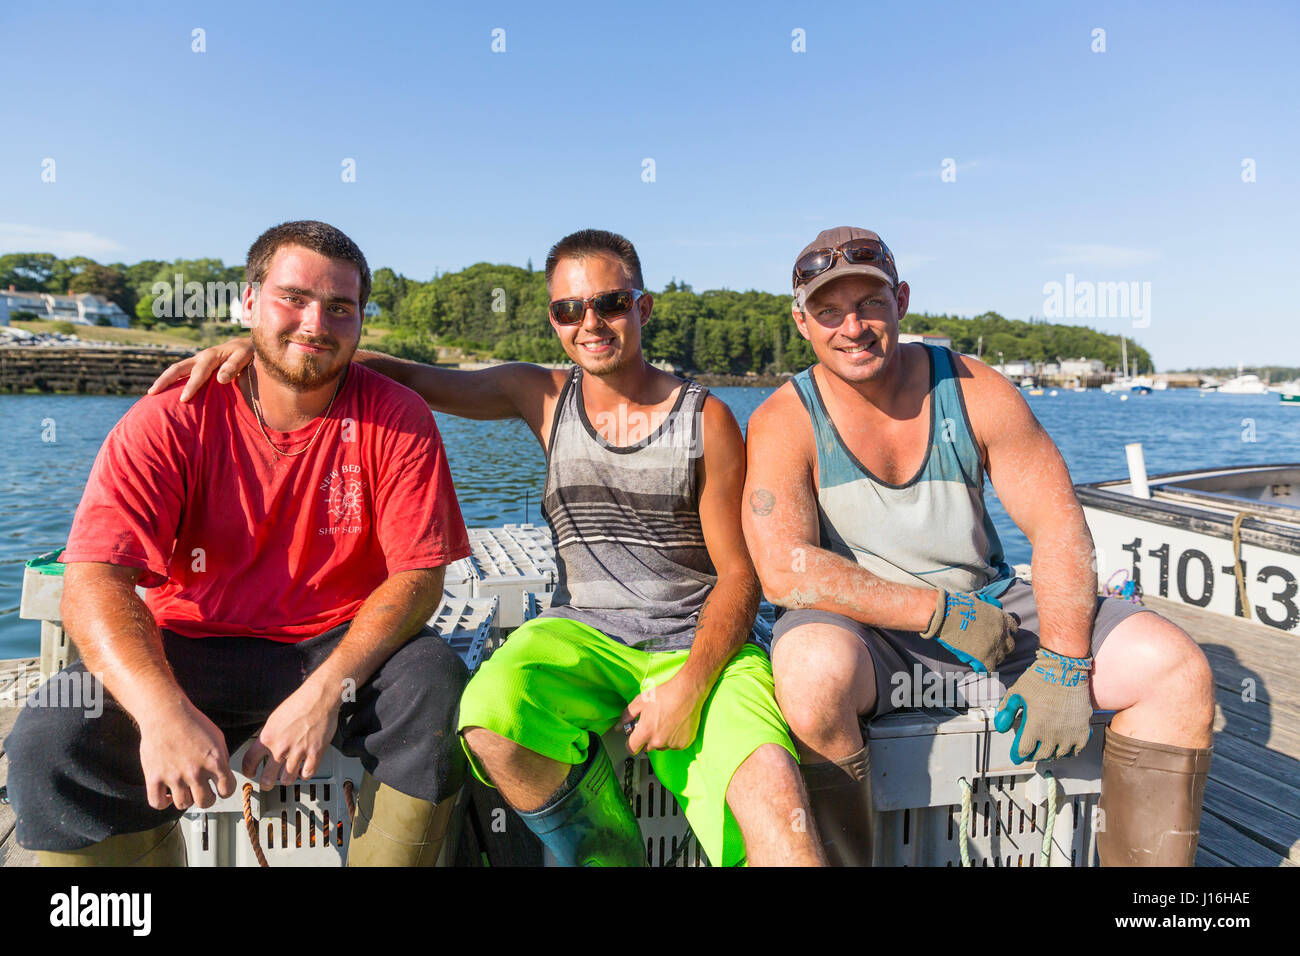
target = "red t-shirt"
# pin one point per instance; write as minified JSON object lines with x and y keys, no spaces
{"x":236,"y":541}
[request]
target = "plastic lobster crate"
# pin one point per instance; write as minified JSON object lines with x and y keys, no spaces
{"x":41,"y":596}
{"x":469,"y":626}
{"x":303,"y":824}
{"x":508,"y":562}
{"x":307,"y":823}
{"x":926,"y":763}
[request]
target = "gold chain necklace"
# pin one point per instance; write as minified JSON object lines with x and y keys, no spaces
{"x":257,"y":410}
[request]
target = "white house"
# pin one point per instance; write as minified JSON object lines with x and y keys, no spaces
{"x":82,"y":308}
{"x":942,"y":341}
{"x":1016,"y":370}
{"x":1082,"y":367}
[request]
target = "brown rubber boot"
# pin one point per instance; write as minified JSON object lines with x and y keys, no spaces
{"x":1150,"y":802}
{"x":392,"y":829}
{"x":161,"y":846}
{"x":839,"y":793}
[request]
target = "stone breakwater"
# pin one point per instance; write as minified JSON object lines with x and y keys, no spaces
{"x":83,"y":369}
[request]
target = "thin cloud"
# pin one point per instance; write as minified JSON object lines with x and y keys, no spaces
{"x":1097,"y":254}
{"x":15,"y":237}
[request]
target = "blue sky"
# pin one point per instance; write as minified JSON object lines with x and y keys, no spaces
{"x":1115,"y":166}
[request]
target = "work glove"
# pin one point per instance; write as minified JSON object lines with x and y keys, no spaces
{"x":975,"y":629}
{"x":1054,"y":705}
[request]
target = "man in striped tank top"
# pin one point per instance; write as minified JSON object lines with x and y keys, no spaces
{"x":656,"y":598}
{"x":865,"y":516}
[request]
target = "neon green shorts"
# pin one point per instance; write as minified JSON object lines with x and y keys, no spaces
{"x":556,"y":680}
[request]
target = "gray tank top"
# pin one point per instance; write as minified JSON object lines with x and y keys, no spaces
{"x":630,"y":551}
{"x":932,"y":530}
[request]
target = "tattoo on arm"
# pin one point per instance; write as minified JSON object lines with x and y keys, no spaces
{"x":761,"y":501}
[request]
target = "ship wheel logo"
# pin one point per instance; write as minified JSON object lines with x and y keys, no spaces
{"x":345,"y":499}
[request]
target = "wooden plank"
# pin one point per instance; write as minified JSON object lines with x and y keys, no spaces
{"x":1221,"y":839}
{"x":1205,"y":858}
{"x":1262,"y":823}
{"x":1276,"y":792}
{"x":1229,"y":673}
{"x":7,"y":819}
{"x":11,"y":854}
{"x":1207,"y":626}
{"x":1268,"y":688}
{"x":1267,"y":715}
{"x":1270,"y":762}
{"x":1277,"y":736}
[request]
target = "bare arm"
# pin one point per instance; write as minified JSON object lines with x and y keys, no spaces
{"x":182,"y":753}
{"x":780,"y":522}
{"x":1034,"y":486}
{"x":727,"y":617}
{"x":301,"y":728}
{"x":118,"y":639}
{"x":513,"y":390}
{"x":670,"y":715}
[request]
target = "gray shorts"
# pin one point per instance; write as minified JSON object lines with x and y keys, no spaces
{"x":902,"y":659}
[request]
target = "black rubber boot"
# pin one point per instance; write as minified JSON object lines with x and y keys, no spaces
{"x":839,"y":793}
{"x":588,"y":822}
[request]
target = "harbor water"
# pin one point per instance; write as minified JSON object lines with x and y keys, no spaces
{"x":48,"y":444}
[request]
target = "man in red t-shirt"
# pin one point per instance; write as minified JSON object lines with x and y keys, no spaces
{"x":292,"y":535}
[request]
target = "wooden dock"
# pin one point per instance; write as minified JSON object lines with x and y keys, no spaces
{"x":1252,"y":799}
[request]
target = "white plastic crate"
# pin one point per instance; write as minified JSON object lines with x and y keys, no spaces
{"x":303,"y":824}
{"x":507,"y":562}
{"x":306,"y":824}
{"x":918,"y":759}
{"x":41,"y":597}
{"x":469,"y":626}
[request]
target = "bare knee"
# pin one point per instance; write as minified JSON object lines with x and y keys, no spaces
{"x":824,"y":680}
{"x":1150,"y":663}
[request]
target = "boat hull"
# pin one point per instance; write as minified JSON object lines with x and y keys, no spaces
{"x":1180,"y":543}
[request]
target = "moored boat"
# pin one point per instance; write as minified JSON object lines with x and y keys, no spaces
{"x":1225,"y":539}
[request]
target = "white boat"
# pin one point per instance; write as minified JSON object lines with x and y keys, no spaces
{"x":1183,"y":535}
{"x":1126,"y":382}
{"x":1243,"y":385}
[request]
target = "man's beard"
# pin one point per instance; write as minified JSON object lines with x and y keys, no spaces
{"x":310,"y":373}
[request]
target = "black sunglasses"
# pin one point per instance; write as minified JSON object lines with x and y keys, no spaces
{"x":856,"y":251}
{"x":608,"y":305}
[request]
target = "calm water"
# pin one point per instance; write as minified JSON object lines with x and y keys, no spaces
{"x":499,"y":471}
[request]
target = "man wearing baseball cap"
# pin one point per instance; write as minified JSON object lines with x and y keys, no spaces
{"x":865,"y":515}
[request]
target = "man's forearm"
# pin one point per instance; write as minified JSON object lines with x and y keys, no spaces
{"x":1065,"y":589}
{"x":817,"y":578}
{"x":722,"y":628}
{"x":395,"y":611}
{"x":118,"y":639}
{"x":391,"y":366}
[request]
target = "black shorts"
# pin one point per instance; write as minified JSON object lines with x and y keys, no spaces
{"x":901,"y":659}
{"x":75,"y":776}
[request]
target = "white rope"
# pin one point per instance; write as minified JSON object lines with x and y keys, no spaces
{"x":965,"y":820}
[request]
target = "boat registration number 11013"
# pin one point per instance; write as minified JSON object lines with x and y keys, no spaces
{"x":1194,"y":578}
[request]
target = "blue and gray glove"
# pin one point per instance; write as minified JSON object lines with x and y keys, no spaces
{"x":975,"y":629}
{"x":1054,"y":705}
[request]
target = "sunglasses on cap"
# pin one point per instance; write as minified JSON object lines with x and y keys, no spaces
{"x":855,"y":251}
{"x":607,"y":305}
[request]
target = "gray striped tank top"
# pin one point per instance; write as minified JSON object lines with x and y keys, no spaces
{"x":932,"y":530}
{"x":629,"y":547}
